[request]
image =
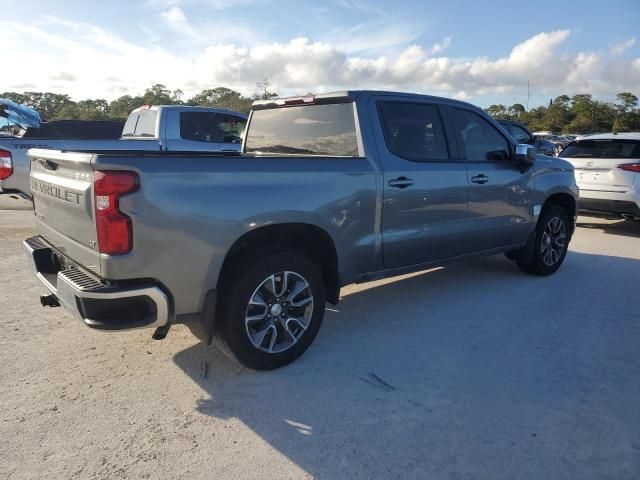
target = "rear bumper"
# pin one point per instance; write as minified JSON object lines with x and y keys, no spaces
{"x":610,"y":202}
{"x":97,"y":304}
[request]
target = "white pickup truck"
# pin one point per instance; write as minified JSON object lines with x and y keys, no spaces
{"x":149,"y":128}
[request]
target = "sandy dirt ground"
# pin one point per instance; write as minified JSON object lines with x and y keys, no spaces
{"x":496,"y":375}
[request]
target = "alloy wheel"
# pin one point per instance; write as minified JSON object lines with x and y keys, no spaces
{"x":279,"y":312}
{"x":554,"y":241}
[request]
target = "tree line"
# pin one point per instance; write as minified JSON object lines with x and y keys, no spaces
{"x":54,"y":106}
{"x":577,"y":114}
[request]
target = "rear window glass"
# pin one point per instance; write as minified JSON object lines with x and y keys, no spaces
{"x":304,"y":130}
{"x":602,"y":149}
{"x":141,"y":124}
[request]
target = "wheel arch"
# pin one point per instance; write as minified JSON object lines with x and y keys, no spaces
{"x":566,"y":201}
{"x":312,"y":240}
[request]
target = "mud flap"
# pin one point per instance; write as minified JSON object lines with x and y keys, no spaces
{"x":202,"y":325}
{"x":525,"y":254}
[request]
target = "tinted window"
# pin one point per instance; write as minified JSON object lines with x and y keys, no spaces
{"x":520,"y":134}
{"x":232,"y":127}
{"x":305,"y":130}
{"x":211,"y":127}
{"x":602,"y":149}
{"x":413,"y":131}
{"x":480,"y":140}
{"x":141,"y":124}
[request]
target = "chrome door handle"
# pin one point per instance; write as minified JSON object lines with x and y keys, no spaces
{"x":401,"y":182}
{"x":481,"y":179}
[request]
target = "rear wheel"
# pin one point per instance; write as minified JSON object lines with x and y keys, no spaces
{"x":553,"y":233}
{"x":271,"y":310}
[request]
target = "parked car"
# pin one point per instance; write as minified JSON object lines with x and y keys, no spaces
{"x":607,"y":170}
{"x":524,"y":136}
{"x":154,"y":128}
{"x":559,"y":141}
{"x":328,"y":190}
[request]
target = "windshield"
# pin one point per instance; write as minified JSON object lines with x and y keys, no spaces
{"x":304,"y":130}
{"x":602,"y":149}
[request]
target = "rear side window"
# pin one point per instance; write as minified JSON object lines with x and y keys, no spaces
{"x":327,"y":130}
{"x":602,"y":149}
{"x":481,"y":141}
{"x":211,"y":127}
{"x":141,"y":124}
{"x":413,"y":131}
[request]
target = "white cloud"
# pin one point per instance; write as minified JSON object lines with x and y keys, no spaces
{"x":89,"y":62}
{"x":176,"y":20}
{"x":620,"y":48}
{"x":440,"y":46}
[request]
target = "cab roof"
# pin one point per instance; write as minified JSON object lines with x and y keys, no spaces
{"x":344,"y":96}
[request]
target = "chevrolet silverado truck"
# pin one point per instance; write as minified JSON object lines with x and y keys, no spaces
{"x":246,"y":248}
{"x":159,"y":127}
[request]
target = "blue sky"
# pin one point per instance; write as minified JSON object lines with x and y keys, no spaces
{"x":483,"y":51}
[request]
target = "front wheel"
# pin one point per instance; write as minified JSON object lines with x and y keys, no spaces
{"x":553,"y":233}
{"x":271,"y":310}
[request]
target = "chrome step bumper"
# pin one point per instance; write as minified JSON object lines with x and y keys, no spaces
{"x":99,"y":305}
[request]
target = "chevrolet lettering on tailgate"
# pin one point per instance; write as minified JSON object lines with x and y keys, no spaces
{"x":56,"y":192}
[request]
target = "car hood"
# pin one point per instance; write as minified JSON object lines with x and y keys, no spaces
{"x":546,"y":161}
{"x":15,"y":113}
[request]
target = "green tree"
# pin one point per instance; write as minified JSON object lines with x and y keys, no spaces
{"x":83,"y":110}
{"x":498,"y":111}
{"x":627,"y":101}
{"x":516,"y":111}
{"x":158,"y":94}
{"x":121,"y":107}
{"x":222,"y":97}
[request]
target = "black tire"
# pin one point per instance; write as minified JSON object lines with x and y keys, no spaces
{"x":239,"y":288}
{"x":543,"y":262}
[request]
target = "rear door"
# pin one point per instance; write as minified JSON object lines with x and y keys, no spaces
{"x":61,"y":186}
{"x":597,"y":163}
{"x":500,"y":191}
{"x":424,"y":210}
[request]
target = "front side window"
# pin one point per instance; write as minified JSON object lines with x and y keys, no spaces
{"x":211,"y":127}
{"x":231,"y":127}
{"x":520,"y":134}
{"x":325,"y":130}
{"x":413,"y":131}
{"x":480,"y":140}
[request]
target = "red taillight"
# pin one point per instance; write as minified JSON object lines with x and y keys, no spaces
{"x":630,"y":167}
{"x":115,"y":234}
{"x":6,"y":166}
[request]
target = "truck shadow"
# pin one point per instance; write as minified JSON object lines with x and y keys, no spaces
{"x":483,"y":361}
{"x":626,"y":228}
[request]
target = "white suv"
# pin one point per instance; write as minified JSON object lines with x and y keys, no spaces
{"x":607,"y":168}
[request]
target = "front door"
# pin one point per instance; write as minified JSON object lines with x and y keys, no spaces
{"x":425,"y":188}
{"x":500,"y":190}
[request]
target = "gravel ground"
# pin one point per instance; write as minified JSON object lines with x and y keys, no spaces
{"x":497,"y":375}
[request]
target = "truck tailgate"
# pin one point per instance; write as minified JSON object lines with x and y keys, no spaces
{"x":62,"y":189}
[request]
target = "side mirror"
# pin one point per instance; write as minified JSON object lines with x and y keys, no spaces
{"x":525,"y":153}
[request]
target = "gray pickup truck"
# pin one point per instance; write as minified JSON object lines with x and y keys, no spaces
{"x":158,"y":127}
{"x":329,"y":190}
